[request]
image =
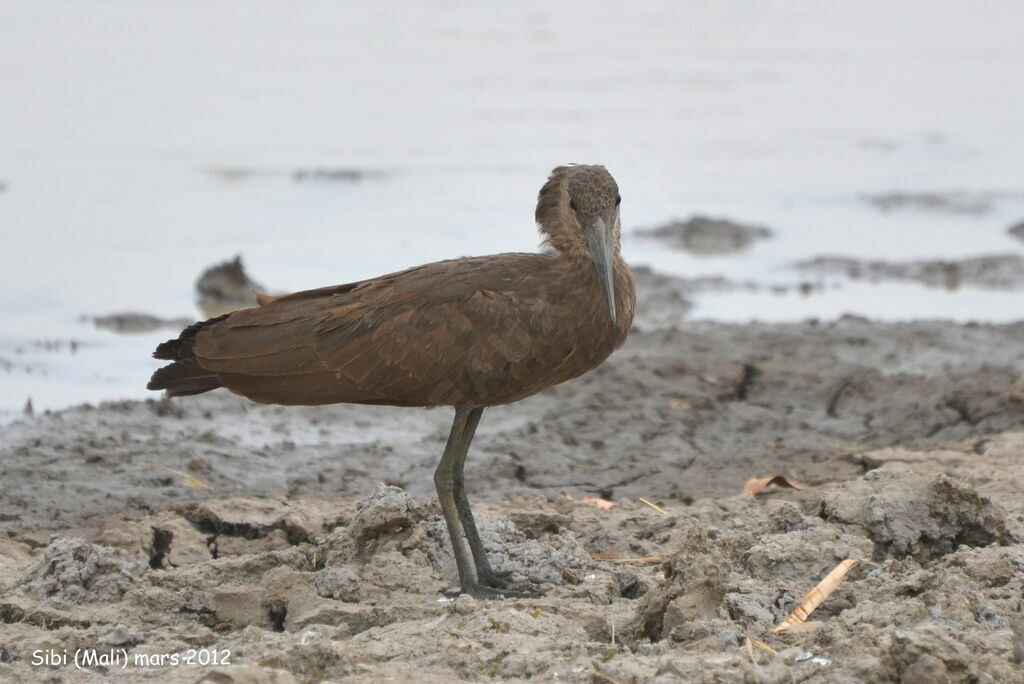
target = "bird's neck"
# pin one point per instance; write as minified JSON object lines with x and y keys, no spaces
{"x":578,"y":267}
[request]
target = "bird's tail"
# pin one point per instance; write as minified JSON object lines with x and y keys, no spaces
{"x":185,"y":376}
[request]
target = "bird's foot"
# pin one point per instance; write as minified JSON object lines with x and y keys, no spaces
{"x":501,"y":580}
{"x":495,"y":579}
{"x":481,"y":591}
{"x":496,"y":585}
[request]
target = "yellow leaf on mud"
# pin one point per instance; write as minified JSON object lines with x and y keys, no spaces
{"x":754,"y":486}
{"x":592,"y":500}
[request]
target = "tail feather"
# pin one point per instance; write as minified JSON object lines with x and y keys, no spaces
{"x":184,"y":376}
{"x":181,"y":346}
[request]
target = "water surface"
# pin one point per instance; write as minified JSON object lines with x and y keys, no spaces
{"x":141,"y":143}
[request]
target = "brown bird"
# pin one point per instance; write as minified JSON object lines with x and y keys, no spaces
{"x":467,"y":333}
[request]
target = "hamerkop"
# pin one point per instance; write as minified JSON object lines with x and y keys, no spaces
{"x":467,"y":333}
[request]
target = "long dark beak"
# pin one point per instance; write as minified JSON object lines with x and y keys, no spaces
{"x":599,"y":243}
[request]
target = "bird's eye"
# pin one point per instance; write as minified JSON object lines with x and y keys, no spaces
{"x":618,"y":200}
{"x":572,"y":204}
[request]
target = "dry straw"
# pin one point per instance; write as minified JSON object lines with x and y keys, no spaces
{"x":797,"y":619}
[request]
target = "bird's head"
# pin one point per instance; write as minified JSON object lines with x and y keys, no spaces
{"x":578,"y":215}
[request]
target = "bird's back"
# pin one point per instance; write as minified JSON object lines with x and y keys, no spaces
{"x":467,"y":332}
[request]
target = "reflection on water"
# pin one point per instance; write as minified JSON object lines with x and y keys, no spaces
{"x":142,"y":143}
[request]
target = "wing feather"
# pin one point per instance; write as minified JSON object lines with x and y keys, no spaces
{"x":467,"y":332}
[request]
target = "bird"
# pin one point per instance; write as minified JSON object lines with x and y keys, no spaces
{"x":467,"y":333}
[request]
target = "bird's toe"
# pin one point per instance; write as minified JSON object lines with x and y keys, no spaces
{"x":481,"y":591}
{"x":496,"y":579}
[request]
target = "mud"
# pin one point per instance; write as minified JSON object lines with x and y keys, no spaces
{"x":330,"y":174}
{"x":943,"y":202}
{"x":234,"y":174}
{"x":1016,"y":230}
{"x":994,"y":272}
{"x":131,"y":322}
{"x":708,"y":236}
{"x":305,"y":545}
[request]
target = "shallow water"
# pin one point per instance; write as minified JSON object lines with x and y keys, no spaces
{"x":139,"y":144}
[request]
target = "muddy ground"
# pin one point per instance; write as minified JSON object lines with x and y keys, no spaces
{"x":305,"y":545}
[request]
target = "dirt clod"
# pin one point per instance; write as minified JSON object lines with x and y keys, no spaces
{"x":924,"y":518}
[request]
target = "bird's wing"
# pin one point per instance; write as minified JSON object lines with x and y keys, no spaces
{"x":464,"y":332}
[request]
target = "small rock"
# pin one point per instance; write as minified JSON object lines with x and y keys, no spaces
{"x":465,"y":604}
{"x":387,"y":511}
{"x":339,"y":583}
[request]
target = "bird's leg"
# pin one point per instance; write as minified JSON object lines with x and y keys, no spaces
{"x":451,"y":493}
{"x":484,"y":574}
{"x":444,"y":482}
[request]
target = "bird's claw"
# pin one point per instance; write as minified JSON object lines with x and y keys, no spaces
{"x":480,"y":591}
{"x":495,"y":585}
{"x":495,"y":579}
